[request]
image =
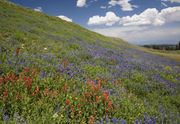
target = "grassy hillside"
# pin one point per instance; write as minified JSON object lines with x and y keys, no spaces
{"x":53,"y":71}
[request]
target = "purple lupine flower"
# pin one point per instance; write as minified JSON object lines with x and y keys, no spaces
{"x":43,"y":74}
{"x":115,"y":120}
{"x":6,"y":117}
{"x":123,"y":121}
{"x":107,"y":119}
{"x":99,"y":122}
{"x":137,"y":121}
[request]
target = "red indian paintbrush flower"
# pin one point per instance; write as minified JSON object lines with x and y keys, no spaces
{"x":5,"y":94}
{"x":79,"y":106}
{"x":67,"y":102}
{"x":86,"y":94}
{"x":1,"y":80}
{"x":98,"y":86}
{"x":97,"y":98}
{"x":28,"y":82}
{"x":46,"y":91}
{"x":36,"y":91}
{"x":109,"y":104}
{"x":33,"y":94}
{"x":106,"y":96}
{"x":91,"y":94}
{"x":11,"y":77}
{"x":26,"y":70}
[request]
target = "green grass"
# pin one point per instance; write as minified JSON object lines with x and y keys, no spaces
{"x":53,"y":71}
{"x":165,"y":53}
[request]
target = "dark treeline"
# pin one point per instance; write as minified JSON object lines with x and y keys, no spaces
{"x":164,"y":46}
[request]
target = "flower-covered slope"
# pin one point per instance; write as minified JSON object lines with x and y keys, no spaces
{"x":53,"y":71}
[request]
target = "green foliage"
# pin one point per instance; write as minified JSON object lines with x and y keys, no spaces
{"x":95,"y":71}
{"x":167,"y":68}
{"x":69,"y":83}
{"x":170,"y":77}
{"x":138,"y":77}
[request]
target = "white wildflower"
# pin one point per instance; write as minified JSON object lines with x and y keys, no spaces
{"x":55,"y":115}
{"x":22,"y":46}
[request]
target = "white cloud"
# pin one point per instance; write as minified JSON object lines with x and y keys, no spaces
{"x":65,"y":18}
{"x":103,"y":7}
{"x":81,"y":3}
{"x":143,"y":34}
{"x":38,"y":9}
{"x":107,"y":20}
{"x":152,"y":16}
{"x":172,"y":1}
{"x":145,"y":18}
{"x":125,"y":5}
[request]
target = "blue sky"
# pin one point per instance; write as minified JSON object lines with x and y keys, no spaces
{"x":137,"y":21}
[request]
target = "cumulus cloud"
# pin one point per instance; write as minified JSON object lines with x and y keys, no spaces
{"x":145,"y":18}
{"x":107,"y":20}
{"x":172,"y":1}
{"x":171,"y":14}
{"x":125,"y":4}
{"x":65,"y":18}
{"x":38,"y":9}
{"x":149,"y":27}
{"x":143,"y":34}
{"x":81,"y":3}
{"x":152,"y":16}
